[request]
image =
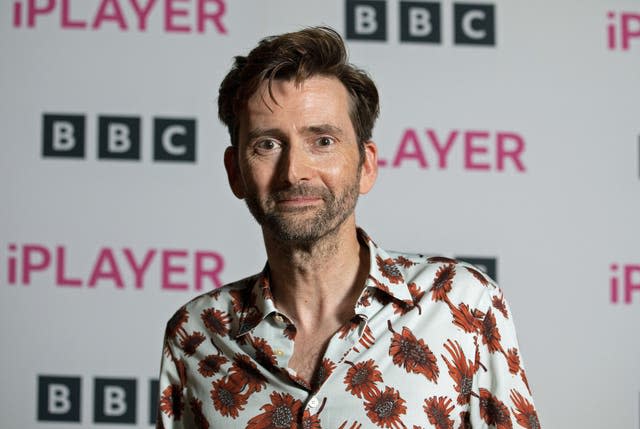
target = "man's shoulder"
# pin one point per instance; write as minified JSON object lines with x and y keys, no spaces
{"x":436,"y":271}
{"x":222,"y":297}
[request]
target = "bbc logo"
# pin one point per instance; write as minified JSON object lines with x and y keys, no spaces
{"x":488,"y":265}
{"x":421,"y":22}
{"x":114,"y":400}
{"x":119,"y":137}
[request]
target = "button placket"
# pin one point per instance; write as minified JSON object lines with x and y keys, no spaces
{"x":313,"y":402}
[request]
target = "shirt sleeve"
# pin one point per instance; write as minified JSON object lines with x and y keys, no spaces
{"x":172,"y":397}
{"x":501,"y":396}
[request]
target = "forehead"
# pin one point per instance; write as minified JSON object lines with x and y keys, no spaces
{"x":316,"y":100}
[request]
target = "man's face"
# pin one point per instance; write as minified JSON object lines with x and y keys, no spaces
{"x":297,"y":163}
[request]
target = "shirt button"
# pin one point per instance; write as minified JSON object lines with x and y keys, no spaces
{"x":313,"y":402}
{"x":278,"y":352}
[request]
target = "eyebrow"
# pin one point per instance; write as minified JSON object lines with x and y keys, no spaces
{"x":261,"y":132}
{"x":311,"y":129}
{"x":324,"y":129}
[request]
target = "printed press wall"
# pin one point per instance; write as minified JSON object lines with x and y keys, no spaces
{"x":509,"y":136}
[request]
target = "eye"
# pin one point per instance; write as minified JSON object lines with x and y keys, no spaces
{"x":325,"y":141}
{"x":267,"y":146}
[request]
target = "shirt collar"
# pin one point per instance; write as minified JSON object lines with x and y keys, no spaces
{"x":257,"y":302}
{"x":386,"y":274}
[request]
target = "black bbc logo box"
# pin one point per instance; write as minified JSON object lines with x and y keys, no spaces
{"x":421,"y":22}
{"x":119,"y":137}
{"x":115,"y":400}
{"x":488,"y":265}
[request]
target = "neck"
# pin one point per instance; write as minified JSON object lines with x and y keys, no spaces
{"x":319,"y":281}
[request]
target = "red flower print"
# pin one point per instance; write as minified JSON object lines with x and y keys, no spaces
{"x":290,"y":331}
{"x":354,"y":425}
{"x":310,"y":421}
{"x":442,"y":282}
{"x":215,"y":294}
{"x":465,"y":420}
{"x":248,"y":321}
{"x":324,"y":371}
{"x":366,"y":340}
{"x":412,"y":354}
{"x":438,"y":410}
{"x":525,"y":413}
{"x":191,"y":342}
{"x":237,"y":299}
{"x":365,"y":299}
{"x":383,"y":287}
{"x":416,"y":292}
{"x":493,"y":411}
{"x":523,"y":376}
{"x":227,"y":398}
{"x":499,"y":304}
{"x":199,"y":420}
{"x":404,"y":262}
{"x":461,"y":371}
{"x":490,"y":334}
{"x":513,"y":360}
{"x":242,"y":298}
{"x":245,"y":373}
{"x":348,"y":327}
{"x":171,"y":401}
{"x":177,"y":320}
{"x":442,"y":259}
{"x":384,"y":409}
{"x":264,"y":353}
{"x":479,"y":276}
{"x":282,"y":412}
{"x":389,"y":269}
{"x":265,"y":288}
{"x":477,"y":362}
{"x":216,"y":321}
{"x":466,"y":318}
{"x":252,"y":316}
{"x":211,"y":364}
{"x":402,"y":307}
{"x":361,"y":379}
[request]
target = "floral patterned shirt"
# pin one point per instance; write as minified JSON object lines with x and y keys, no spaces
{"x":431,"y":345}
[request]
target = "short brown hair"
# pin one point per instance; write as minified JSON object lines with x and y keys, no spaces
{"x":299,"y":56}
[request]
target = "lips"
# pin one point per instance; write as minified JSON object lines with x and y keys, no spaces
{"x":299,"y":199}
{"x":299,"y":195}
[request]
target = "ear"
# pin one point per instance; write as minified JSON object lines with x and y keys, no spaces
{"x":369,"y":171}
{"x":233,"y":171}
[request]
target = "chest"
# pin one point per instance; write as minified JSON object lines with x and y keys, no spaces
{"x":372,"y":377}
{"x":308,"y":351}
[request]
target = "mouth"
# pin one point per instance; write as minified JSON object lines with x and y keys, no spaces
{"x":298,"y":201}
{"x":299,"y":198}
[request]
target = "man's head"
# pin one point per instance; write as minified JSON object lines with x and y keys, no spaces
{"x":300,"y":119}
{"x":317,"y":51}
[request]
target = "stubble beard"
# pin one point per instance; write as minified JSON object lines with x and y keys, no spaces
{"x":295,"y":225}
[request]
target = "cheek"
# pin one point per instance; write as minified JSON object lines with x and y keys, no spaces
{"x":257,"y":176}
{"x":342,"y":166}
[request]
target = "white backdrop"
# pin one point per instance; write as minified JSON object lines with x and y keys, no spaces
{"x":562,"y":81}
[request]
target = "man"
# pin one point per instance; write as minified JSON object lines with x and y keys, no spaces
{"x":335,"y":332}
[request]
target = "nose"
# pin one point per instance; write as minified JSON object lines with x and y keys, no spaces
{"x":296,"y":164}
